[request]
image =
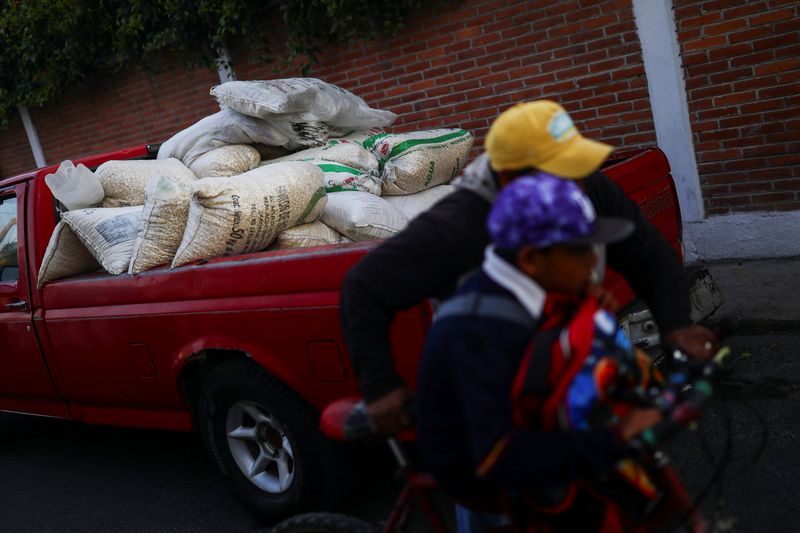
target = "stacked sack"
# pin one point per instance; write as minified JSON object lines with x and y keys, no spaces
{"x":285,"y":164}
{"x":155,"y":213}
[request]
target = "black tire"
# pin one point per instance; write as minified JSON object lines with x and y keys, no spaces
{"x":324,"y":523}
{"x":295,"y":467}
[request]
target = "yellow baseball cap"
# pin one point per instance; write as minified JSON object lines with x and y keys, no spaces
{"x":541,"y":134}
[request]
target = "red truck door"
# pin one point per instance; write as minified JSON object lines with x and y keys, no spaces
{"x":25,"y":383}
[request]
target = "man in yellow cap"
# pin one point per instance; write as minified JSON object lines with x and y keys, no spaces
{"x":437,"y":248}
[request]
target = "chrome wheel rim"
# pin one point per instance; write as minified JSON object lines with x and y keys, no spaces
{"x":260,"y":447}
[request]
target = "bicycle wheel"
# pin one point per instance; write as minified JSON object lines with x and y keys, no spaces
{"x":324,"y":523}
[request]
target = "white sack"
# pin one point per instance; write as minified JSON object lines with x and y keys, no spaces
{"x":313,"y":98}
{"x":124,"y":181}
{"x":362,"y":216}
{"x":413,"y":205}
{"x":305,"y":236}
{"x":65,"y":256}
{"x":221,"y":129}
{"x":166,"y":210}
{"x":75,"y":187}
{"x":416,"y":161}
{"x":226,"y":161}
{"x":241,"y":214}
{"x":108,"y":233}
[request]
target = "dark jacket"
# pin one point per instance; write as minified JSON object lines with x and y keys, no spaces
{"x":440,"y":246}
{"x":465,"y":424}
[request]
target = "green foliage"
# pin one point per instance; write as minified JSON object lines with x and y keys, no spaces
{"x":48,"y":46}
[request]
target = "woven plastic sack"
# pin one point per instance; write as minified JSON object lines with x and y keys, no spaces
{"x":124,"y":181}
{"x":108,"y":233}
{"x":349,"y":154}
{"x":413,"y":162}
{"x":242,"y":214}
{"x":75,"y":187}
{"x":226,"y":161}
{"x":340,"y":177}
{"x":413,"y":205}
{"x":362,"y":216}
{"x":221,"y":129}
{"x":310,"y":97}
{"x":65,"y":256}
{"x":352,"y":136}
{"x":166,"y":210}
{"x":305,"y":236}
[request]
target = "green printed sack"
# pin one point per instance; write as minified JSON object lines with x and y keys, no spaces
{"x":340,"y":178}
{"x":413,"y":162}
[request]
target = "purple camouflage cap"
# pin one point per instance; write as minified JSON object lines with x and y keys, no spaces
{"x":541,"y":210}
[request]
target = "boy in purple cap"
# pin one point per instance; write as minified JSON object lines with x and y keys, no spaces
{"x":542,"y":229}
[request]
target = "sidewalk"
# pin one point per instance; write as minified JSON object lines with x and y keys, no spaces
{"x":759,"y":292}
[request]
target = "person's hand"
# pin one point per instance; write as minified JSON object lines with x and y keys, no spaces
{"x":12,"y":222}
{"x":389,"y":413}
{"x":604,"y":297}
{"x":636,"y":421}
{"x":696,"y":341}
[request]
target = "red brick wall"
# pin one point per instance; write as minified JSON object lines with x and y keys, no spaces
{"x":15,"y":151}
{"x":742,"y":66}
{"x":460,"y":65}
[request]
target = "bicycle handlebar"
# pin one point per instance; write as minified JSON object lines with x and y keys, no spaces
{"x":688,"y":389}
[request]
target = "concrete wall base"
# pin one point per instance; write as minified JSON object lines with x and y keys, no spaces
{"x":743,"y":236}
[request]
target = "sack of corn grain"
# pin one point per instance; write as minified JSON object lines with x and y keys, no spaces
{"x":349,"y":154}
{"x":221,"y":129}
{"x":166,"y":210}
{"x":362,"y":216}
{"x":124,"y":181}
{"x":307,"y":98}
{"x":306,"y":235}
{"x":108,"y":233}
{"x":226,"y":161}
{"x":413,"y":205}
{"x":413,"y":162}
{"x":65,"y":256}
{"x":340,"y":177}
{"x":75,"y":187}
{"x":241,"y":214}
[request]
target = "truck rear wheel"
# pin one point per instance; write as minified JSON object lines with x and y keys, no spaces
{"x":266,"y":443}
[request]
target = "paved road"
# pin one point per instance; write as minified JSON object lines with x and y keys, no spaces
{"x":59,"y":476}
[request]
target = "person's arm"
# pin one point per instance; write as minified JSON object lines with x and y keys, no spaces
{"x":651,"y":268}
{"x":423,"y":261}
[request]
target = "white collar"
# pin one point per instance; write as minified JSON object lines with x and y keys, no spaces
{"x":527,"y":291}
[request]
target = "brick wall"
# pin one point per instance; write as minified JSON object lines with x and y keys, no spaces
{"x":742,"y":67}
{"x":15,"y":151}
{"x":460,"y":65}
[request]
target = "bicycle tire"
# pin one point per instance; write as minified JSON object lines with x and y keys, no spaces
{"x":324,"y":523}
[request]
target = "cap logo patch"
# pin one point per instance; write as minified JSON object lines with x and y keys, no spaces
{"x":561,"y":127}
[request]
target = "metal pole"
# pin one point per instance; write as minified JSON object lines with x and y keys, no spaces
{"x":33,"y":138}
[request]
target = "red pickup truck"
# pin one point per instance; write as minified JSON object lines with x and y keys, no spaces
{"x":247,"y":349}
